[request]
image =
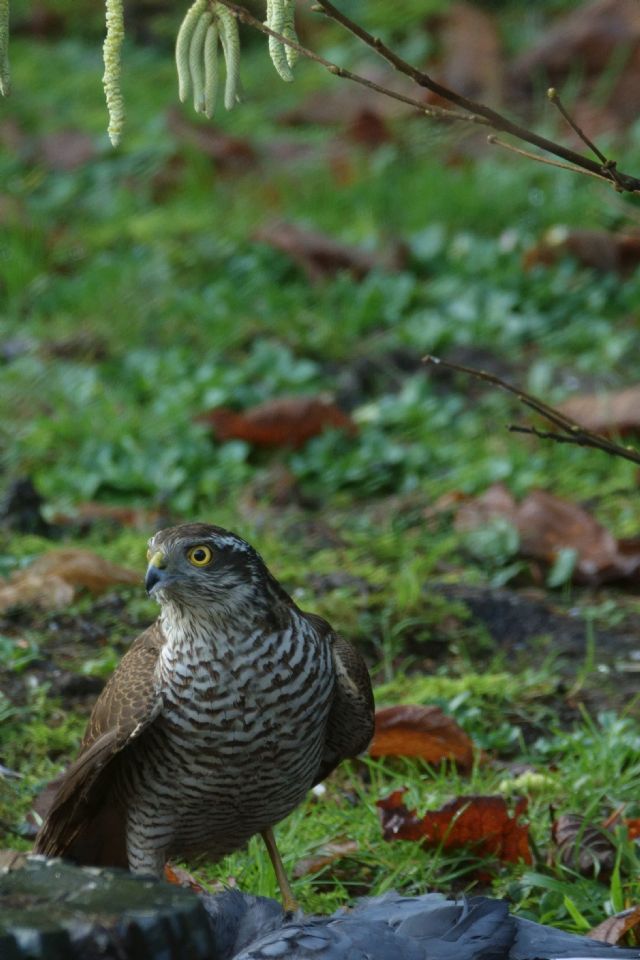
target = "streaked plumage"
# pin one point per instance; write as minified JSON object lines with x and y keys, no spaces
{"x":217,"y":721}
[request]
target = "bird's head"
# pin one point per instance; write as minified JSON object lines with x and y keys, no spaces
{"x":198,"y":565}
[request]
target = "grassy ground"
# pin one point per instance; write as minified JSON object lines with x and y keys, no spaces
{"x":134,"y":298}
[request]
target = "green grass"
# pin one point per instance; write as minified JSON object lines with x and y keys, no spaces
{"x":148,"y":252}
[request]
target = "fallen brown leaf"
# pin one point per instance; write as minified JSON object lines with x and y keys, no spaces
{"x":283,"y":422}
{"x":586,"y":37}
{"x":615,"y":412}
{"x":90,"y":513}
{"x":338,"y":106}
{"x":633,"y":827}
{"x":471,"y":62}
{"x":481,"y":823}
{"x":594,"y":38}
{"x":182,"y":878}
{"x":583,"y":847}
{"x":327,"y":854}
{"x":614,"y":929}
{"x":547,"y":524}
{"x":320,"y":256}
{"x":53,"y":579}
{"x":414,"y":731}
{"x":232,"y":155}
{"x":604,"y":251}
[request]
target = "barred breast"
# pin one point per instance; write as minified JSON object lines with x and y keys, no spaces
{"x":238,"y":744}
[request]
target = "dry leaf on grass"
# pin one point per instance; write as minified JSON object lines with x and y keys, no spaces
{"x":584,"y":39}
{"x":596,"y":39}
{"x":339,"y":105}
{"x":283,"y":422}
{"x":583,"y":847}
{"x":52,"y":580}
{"x":471,"y":62}
{"x":614,"y":929}
{"x":89,"y":513}
{"x":608,"y":252}
{"x":415,"y":731}
{"x":320,"y":256}
{"x":615,"y":412}
{"x":182,"y":878}
{"x":232,"y":155}
{"x":327,"y":854}
{"x":483,"y":824}
{"x":547,"y":524}
{"x":633,"y":827}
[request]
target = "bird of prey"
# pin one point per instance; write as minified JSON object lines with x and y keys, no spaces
{"x":218,"y":720}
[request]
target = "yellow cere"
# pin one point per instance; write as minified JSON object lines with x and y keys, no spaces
{"x":200,"y":556}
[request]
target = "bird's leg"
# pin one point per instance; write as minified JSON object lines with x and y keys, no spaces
{"x":288,"y":900}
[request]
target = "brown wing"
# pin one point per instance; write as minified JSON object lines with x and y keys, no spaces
{"x":83,"y":823}
{"x":351,"y":720}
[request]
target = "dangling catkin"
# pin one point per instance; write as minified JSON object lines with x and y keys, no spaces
{"x":183,"y":45}
{"x":230,"y":37}
{"x":112,"y":65}
{"x":276,"y":18}
{"x":289,"y":31}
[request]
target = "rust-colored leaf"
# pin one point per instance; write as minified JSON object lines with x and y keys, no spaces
{"x":583,"y":847}
{"x":614,"y":929}
{"x":53,"y":579}
{"x":633,"y":827}
{"x":327,"y":854}
{"x":547,"y":524}
{"x":182,"y":878}
{"x":320,"y":256}
{"x":604,"y":251}
{"x":615,"y":412}
{"x":283,"y":422}
{"x":481,"y":823}
{"x":410,"y":730}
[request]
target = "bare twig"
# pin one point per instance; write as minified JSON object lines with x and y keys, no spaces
{"x":554,"y":97}
{"x":570,"y":431}
{"x":436,"y":113}
{"x":607,"y":169}
{"x":549,"y":163}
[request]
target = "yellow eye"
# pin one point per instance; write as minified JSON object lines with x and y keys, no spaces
{"x":200,"y":556}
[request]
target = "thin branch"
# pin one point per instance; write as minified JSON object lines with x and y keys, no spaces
{"x":539,"y":159}
{"x":554,"y":97}
{"x":436,"y":113}
{"x":621,"y":181}
{"x":570,"y":431}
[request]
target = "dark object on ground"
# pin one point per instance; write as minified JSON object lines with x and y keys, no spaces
{"x":429,"y":927}
{"x":55,"y":911}
{"x":51,"y":910}
{"x":219,"y":719}
{"x":20,"y":509}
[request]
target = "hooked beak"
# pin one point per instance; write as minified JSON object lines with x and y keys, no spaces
{"x":155,"y":571}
